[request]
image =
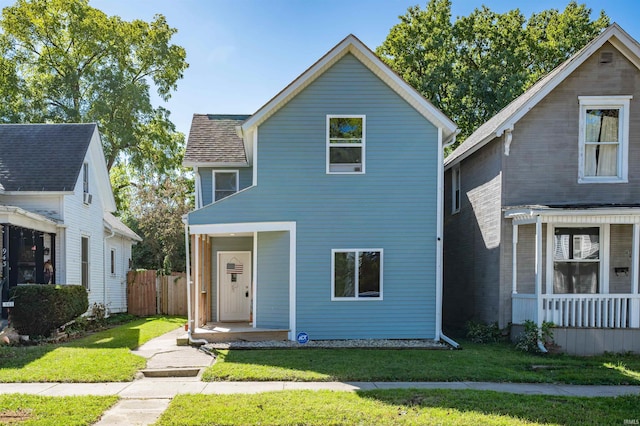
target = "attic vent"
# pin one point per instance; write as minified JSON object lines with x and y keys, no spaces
{"x":606,"y":57}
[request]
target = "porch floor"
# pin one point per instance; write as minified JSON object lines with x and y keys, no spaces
{"x":238,"y":331}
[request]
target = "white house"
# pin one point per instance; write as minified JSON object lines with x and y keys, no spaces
{"x":55,"y":206}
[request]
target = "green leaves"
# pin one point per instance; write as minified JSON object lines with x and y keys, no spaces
{"x":65,"y":61}
{"x":474,"y":66}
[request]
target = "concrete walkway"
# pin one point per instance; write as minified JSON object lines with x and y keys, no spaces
{"x":143,"y":400}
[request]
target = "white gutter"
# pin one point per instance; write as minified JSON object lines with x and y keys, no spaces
{"x":440,"y":232}
{"x":185,"y":220}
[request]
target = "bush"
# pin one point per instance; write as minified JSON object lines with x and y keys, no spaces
{"x":485,"y":333}
{"x":528,"y":340}
{"x":41,"y":309}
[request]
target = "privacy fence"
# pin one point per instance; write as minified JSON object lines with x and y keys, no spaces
{"x":149,"y":293}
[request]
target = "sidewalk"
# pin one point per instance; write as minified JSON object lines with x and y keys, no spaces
{"x":145,"y":399}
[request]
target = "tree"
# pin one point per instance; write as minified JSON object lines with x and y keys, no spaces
{"x":473,"y":67}
{"x":156,"y":211}
{"x":65,"y":61}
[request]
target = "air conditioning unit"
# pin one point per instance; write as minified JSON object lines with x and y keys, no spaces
{"x":87,"y":198}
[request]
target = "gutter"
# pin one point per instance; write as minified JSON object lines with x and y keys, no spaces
{"x":440,"y":233}
{"x":185,"y":220}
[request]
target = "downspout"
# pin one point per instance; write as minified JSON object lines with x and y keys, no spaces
{"x":440,"y":225}
{"x":185,"y":220}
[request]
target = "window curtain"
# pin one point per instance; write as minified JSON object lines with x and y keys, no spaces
{"x":601,"y":159}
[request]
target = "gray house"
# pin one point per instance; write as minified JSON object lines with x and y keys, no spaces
{"x":542,"y":206}
{"x":321,"y":213}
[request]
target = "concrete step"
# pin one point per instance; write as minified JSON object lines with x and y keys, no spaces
{"x":171,"y":372}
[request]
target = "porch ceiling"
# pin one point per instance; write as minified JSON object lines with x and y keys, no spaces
{"x":600,"y":214}
{"x":17,"y":216}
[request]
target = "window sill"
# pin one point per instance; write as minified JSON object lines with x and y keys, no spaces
{"x":602,"y":180}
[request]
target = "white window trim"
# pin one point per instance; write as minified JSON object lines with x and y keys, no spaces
{"x":213,"y":182}
{"x":85,"y":178}
{"x":113,"y":262}
{"x":333,"y":276}
{"x":622,"y":103}
{"x":88,"y":238}
{"x":456,"y":184}
{"x":603,"y":273}
{"x":362,"y":145}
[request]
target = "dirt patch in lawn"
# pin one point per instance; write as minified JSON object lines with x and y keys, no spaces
{"x":14,"y":416}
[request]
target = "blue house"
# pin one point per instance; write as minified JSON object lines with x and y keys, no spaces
{"x":321,"y":212}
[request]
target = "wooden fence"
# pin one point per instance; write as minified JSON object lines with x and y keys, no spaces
{"x":150,"y":294}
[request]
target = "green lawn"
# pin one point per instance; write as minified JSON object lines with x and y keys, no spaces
{"x":476,"y":362}
{"x":396,"y":407}
{"x":99,"y":357}
{"x":48,"y":410}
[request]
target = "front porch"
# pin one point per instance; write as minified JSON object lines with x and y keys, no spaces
{"x":578,"y":268}
{"x":237,"y":331}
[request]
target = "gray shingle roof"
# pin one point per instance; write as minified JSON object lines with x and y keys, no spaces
{"x":213,"y":139}
{"x":116,"y":225}
{"x":42,"y":157}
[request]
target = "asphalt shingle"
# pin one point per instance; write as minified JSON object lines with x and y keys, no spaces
{"x":213,"y":139}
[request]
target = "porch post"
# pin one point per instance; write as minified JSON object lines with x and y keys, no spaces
{"x":634,"y":317}
{"x":514,"y":260}
{"x":538,"y":265}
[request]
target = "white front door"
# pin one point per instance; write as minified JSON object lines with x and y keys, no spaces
{"x":234,"y":283}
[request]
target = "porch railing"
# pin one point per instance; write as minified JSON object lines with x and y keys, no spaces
{"x":580,"y":310}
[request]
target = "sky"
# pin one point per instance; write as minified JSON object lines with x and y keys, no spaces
{"x":241,"y":53}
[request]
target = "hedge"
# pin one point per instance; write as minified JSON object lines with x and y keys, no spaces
{"x":40,"y":309}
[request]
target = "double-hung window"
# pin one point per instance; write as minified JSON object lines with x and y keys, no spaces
{"x":356,"y":274}
{"x":576,"y":260}
{"x":225,"y":183}
{"x":346,"y":144}
{"x":84,"y":262}
{"x":455,"y":189}
{"x":603,"y":139}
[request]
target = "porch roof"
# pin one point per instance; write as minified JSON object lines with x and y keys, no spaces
{"x":12,"y":215}
{"x":583,"y":213}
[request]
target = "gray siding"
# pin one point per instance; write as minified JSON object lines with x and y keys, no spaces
{"x":392,"y":206}
{"x":224,"y":244}
{"x":542,"y":167}
{"x":245,"y":179}
{"x":273,"y":280}
{"x":472,"y":241}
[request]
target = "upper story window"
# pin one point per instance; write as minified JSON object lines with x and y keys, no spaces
{"x":356,"y":274}
{"x":345,"y":143}
{"x":225,"y":183}
{"x":85,"y":178}
{"x":604,"y":139}
{"x":455,"y":189}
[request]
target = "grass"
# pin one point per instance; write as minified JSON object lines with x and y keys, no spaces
{"x":101,"y":357}
{"x":396,"y":407}
{"x":476,"y":362}
{"x":48,"y":410}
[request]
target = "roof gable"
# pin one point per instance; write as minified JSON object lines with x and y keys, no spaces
{"x":42,"y":157}
{"x":512,"y":113}
{"x":353,"y":45}
{"x":213,"y":140}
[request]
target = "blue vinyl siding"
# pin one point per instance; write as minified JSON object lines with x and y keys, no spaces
{"x":392,"y":206}
{"x":245,"y":179}
{"x":224,"y":244}
{"x":273,"y":280}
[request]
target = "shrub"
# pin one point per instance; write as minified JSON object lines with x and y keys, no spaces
{"x":41,"y":309}
{"x":484,"y":333}
{"x":528,"y":340}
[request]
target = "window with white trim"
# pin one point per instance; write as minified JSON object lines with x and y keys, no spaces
{"x":225,"y":183}
{"x":603,"y":139}
{"x":356,"y":274}
{"x":455,"y":189}
{"x":576,"y":260}
{"x":112,"y":262}
{"x":346,"y":144}
{"x":85,"y":178}
{"x":84,"y":262}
